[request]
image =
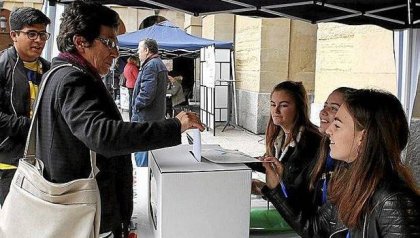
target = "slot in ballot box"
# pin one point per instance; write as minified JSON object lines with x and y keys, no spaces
{"x":191,"y":199}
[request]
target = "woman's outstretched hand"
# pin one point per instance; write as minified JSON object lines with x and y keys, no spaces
{"x":189,"y":120}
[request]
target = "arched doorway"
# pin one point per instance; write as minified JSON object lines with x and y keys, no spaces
{"x":151,"y":20}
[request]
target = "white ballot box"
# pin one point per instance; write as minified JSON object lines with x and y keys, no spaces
{"x":191,"y":199}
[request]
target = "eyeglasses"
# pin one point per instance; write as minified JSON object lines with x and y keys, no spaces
{"x":33,"y":35}
{"x":108,"y":43}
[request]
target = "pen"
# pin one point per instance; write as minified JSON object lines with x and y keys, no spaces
{"x":283,"y":189}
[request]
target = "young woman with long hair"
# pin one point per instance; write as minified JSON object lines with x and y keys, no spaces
{"x":324,"y":166}
{"x":292,"y":139}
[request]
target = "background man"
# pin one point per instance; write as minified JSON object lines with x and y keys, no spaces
{"x":21,"y":68}
{"x":150,"y":90}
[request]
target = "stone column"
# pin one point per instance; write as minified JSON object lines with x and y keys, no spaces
{"x":262,"y":57}
{"x":218,"y":27}
{"x":192,"y":25}
{"x":267,"y":52}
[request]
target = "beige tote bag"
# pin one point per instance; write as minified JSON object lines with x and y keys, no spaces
{"x":37,"y":208}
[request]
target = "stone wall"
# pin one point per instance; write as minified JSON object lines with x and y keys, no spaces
{"x":11,"y":4}
{"x":267,"y":52}
{"x":303,"y":38}
{"x":218,"y":27}
{"x":413,"y":149}
{"x":354,"y":56}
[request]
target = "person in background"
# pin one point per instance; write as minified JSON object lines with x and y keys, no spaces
{"x":79,"y":115}
{"x":149,"y":93}
{"x":115,"y":80}
{"x":292,"y":139}
{"x":176,"y":92}
{"x":21,"y":68}
{"x":131,"y":71}
{"x":324,"y":166}
{"x":371,"y":191}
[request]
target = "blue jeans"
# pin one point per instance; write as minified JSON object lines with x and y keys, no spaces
{"x":141,"y":158}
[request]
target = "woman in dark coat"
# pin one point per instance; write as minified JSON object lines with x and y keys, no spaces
{"x":292,"y":139}
{"x":77,"y":114}
{"x":371,"y":193}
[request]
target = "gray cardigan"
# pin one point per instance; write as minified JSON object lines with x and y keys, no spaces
{"x":177,"y":94}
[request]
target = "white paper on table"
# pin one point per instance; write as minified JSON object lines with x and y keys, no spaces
{"x":223,"y":156}
{"x":196,"y":137}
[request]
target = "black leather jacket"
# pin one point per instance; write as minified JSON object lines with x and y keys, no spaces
{"x":395,"y":212}
{"x":14,"y":105}
{"x":298,"y":163}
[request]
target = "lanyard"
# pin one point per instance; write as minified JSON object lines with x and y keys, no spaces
{"x":348,"y":235}
{"x":283,"y":189}
{"x":329,"y":166}
{"x":324,"y":190}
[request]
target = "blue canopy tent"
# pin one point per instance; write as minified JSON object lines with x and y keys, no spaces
{"x":172,"y":40}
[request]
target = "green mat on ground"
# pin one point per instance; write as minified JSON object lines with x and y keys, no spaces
{"x":268,"y":220}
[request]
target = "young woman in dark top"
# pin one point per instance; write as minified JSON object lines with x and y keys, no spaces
{"x":292,"y":139}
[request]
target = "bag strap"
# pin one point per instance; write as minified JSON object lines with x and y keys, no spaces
{"x":30,"y":147}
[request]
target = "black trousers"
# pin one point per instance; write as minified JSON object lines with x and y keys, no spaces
{"x":130,"y":98}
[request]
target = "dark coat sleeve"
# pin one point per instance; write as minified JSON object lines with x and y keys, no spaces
{"x":89,"y":118}
{"x":10,"y":124}
{"x":14,"y":126}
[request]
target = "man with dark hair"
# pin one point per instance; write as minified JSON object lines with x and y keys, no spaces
{"x":149,"y":95}
{"x":21,"y":68}
{"x":78,"y":115}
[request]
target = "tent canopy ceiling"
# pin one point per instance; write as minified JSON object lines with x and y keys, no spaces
{"x":391,"y":14}
{"x":169,"y":38}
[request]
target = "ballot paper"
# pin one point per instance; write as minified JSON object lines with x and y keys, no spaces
{"x":223,"y":156}
{"x":194,"y":138}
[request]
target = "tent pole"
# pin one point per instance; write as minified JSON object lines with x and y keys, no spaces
{"x":232,"y":67}
{"x":49,"y":9}
{"x":407,"y":84}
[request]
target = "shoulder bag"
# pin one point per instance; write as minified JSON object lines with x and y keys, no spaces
{"x":38,"y":208}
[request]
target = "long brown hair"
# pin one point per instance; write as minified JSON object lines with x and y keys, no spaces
{"x":386,"y":132}
{"x":299,"y":95}
{"x":324,"y":148}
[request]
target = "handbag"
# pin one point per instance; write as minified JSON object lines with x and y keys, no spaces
{"x":36,"y":207}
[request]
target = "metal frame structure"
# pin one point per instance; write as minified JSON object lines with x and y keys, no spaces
{"x":391,"y":14}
